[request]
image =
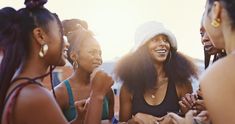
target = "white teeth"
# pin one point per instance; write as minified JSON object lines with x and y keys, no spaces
{"x":161,"y":51}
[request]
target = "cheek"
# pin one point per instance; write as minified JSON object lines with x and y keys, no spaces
{"x":85,"y":61}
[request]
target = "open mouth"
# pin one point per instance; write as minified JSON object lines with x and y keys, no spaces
{"x":208,"y":47}
{"x":161,"y":51}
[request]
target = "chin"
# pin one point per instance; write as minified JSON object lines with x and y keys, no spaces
{"x":62,"y":62}
{"x":161,"y":60}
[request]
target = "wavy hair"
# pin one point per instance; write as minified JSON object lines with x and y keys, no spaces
{"x":137,"y":71}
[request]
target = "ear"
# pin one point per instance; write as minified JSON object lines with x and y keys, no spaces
{"x":216,"y":10}
{"x":39,"y":35}
{"x":74,"y":56}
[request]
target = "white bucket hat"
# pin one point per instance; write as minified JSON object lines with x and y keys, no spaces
{"x":149,"y":30}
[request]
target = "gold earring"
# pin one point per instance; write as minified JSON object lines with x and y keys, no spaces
{"x":43,"y":50}
{"x":215,"y":23}
{"x":75,"y":64}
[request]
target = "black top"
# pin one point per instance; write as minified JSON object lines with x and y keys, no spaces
{"x":169,"y":103}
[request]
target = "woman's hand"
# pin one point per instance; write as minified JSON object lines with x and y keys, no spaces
{"x":101,"y":82}
{"x":176,"y":119}
{"x":81,"y":106}
{"x":187,"y":102}
{"x":147,"y":119}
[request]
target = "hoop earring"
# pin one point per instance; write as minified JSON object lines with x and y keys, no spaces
{"x":215,"y":23}
{"x":43,"y":50}
{"x":75,"y":64}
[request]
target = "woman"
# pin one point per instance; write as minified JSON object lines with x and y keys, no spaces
{"x":155,"y":76}
{"x":84,"y":54}
{"x":219,"y":22}
{"x":209,"y":49}
{"x":32,"y":40}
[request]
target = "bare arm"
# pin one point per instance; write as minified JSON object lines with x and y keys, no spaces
{"x":125,"y":104}
{"x":101,"y":84}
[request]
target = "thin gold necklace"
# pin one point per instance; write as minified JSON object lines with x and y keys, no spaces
{"x":160,"y":83}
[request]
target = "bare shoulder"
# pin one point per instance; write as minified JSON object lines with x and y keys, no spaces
{"x":218,"y":84}
{"x":36,"y":104}
{"x":183,"y":89}
{"x":221,"y":73}
{"x":124,"y":92}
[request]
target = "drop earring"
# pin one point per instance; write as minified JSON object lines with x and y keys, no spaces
{"x":215,"y":23}
{"x":43,"y":50}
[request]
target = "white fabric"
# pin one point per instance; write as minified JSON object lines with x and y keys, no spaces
{"x":149,"y":30}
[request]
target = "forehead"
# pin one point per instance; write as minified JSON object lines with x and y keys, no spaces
{"x":160,"y":36}
{"x":90,"y":43}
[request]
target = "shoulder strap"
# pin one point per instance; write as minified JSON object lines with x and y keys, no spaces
{"x":13,"y":97}
{"x":70,"y":93}
{"x":29,"y":81}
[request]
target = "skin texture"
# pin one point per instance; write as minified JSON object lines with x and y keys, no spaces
{"x":219,"y":77}
{"x":207,"y":44}
{"x":36,"y":104}
{"x":88,"y":56}
{"x":158,"y":48}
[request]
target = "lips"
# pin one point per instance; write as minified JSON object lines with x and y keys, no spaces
{"x":160,"y":51}
{"x":208,"y":47}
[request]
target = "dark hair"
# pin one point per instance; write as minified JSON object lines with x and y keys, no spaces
{"x":216,"y":56}
{"x":76,"y":31}
{"x":15,"y":38}
{"x":229,"y":5}
{"x":138,"y":73}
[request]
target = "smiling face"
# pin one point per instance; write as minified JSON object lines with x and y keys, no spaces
{"x":57,"y":52}
{"x":159,"y":48}
{"x":89,"y":55}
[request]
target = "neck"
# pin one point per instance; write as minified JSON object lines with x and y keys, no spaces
{"x":160,"y":70}
{"x":229,"y":37}
{"x":32,"y":68}
{"x":81,"y":76}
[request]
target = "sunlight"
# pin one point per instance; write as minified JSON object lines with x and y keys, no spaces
{"x":114,"y":21}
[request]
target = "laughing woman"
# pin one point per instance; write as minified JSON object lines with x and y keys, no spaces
{"x":155,"y":76}
{"x":84,"y":54}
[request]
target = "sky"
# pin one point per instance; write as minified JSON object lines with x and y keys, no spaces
{"x":114,"y":21}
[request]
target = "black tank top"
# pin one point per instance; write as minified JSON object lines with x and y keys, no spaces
{"x":169,"y":103}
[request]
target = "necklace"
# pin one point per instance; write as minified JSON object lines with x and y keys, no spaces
{"x":160,"y":83}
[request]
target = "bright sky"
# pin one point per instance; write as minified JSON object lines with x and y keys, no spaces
{"x":114,"y":21}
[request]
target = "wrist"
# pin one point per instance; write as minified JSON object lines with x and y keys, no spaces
{"x":97,"y":96}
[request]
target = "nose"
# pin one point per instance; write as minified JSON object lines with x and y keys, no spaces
{"x":205,"y":39}
{"x":163,"y":42}
{"x":98,"y":58}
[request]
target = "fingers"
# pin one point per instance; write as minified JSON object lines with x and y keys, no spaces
{"x":174,"y":116}
{"x":80,"y":103}
{"x":199,"y":93}
{"x":199,"y":105}
{"x":190,"y":114}
{"x":203,"y":113}
{"x":182,"y":104}
{"x":186,"y":102}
